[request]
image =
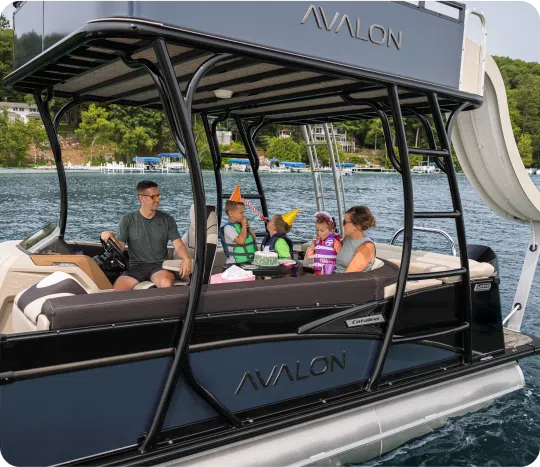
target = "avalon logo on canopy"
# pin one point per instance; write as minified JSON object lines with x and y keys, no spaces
{"x":375,"y":34}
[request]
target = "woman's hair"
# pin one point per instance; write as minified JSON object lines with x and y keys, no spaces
{"x":361,"y":217}
{"x":281,"y":226}
{"x":328,"y":221}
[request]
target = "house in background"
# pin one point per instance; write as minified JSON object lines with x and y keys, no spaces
{"x":341,"y":137}
{"x":284,"y":133}
{"x":319,"y":136}
{"x":20,"y":111}
{"x":224,"y":137}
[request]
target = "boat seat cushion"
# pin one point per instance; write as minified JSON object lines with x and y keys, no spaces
{"x":426,"y":261}
{"x":305,"y":291}
{"x":30,"y":301}
{"x":390,"y":290}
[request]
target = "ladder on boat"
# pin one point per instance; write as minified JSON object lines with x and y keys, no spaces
{"x":317,"y":169}
{"x":247,"y":135}
{"x":443,"y":158}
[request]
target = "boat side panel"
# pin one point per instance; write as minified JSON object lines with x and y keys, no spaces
{"x":71,"y":415}
{"x":487,"y":328}
{"x":61,"y":417}
{"x":379,"y":36}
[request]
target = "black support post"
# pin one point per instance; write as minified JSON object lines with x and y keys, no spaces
{"x":253,"y":160}
{"x":67,"y":106}
{"x":385,"y":124}
{"x":213,"y":143}
{"x":51,"y":129}
{"x":430,"y":136}
{"x":180,"y":122}
{"x":444,"y":140}
{"x":408,"y":223}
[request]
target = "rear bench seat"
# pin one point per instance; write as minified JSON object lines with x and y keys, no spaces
{"x":98,"y":309}
{"x":421,"y":262}
{"x":425,"y":261}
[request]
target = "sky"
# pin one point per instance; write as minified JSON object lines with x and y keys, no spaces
{"x":513,"y":27}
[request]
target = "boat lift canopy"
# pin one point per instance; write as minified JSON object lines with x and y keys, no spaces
{"x":170,"y":155}
{"x":293,"y":164}
{"x":147,"y":160}
{"x":239,"y":161}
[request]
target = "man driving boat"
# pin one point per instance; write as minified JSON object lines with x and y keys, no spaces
{"x":147,"y":232}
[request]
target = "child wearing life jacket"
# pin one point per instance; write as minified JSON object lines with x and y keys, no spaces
{"x":278,"y":227}
{"x":325,"y":246}
{"x":236,"y":235}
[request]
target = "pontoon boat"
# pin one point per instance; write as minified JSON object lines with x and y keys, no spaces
{"x":308,"y":370}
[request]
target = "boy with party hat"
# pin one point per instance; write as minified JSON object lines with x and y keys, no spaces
{"x":278,"y":227}
{"x":236,"y":235}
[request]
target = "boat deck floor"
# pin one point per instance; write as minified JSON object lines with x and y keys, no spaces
{"x":514,"y":339}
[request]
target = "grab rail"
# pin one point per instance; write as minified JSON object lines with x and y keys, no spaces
{"x":483,"y":46}
{"x":429,"y":229}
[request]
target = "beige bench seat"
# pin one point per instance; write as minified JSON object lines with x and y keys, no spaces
{"x":426,"y":261}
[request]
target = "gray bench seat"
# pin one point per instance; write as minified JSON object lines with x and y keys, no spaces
{"x":117,"y":307}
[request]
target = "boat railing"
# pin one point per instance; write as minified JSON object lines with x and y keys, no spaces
{"x":431,"y":230}
{"x":475,"y":85}
{"x":429,"y":8}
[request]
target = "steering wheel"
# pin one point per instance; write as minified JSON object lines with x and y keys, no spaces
{"x":113,"y":258}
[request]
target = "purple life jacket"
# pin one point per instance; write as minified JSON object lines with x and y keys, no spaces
{"x":325,"y":255}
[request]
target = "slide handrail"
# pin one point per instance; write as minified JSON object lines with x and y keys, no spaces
{"x":483,"y":47}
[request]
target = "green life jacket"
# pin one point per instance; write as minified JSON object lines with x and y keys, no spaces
{"x":241,"y":253}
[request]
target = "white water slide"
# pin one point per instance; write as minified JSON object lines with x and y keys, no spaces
{"x":487,"y":151}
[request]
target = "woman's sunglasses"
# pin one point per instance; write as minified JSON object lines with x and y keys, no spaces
{"x":154,"y":197}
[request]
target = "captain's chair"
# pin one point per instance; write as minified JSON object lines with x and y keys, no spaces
{"x":189,"y":241}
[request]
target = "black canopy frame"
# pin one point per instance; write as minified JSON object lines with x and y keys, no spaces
{"x":179,"y":106}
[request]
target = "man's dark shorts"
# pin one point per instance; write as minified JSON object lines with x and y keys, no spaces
{"x":143,"y":272}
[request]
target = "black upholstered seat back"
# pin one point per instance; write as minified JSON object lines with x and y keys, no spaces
{"x":137,"y":305}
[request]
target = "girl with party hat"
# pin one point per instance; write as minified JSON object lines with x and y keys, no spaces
{"x":325,"y":246}
{"x":236,"y":235}
{"x":276,"y":240}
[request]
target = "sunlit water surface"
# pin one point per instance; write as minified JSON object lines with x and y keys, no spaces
{"x":507,"y":433}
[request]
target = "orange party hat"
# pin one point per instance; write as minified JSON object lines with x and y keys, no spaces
{"x":236,"y":196}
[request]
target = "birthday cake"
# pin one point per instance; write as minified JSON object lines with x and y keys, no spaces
{"x":265,"y":258}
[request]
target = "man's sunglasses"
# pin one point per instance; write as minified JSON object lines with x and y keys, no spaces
{"x":154,"y":197}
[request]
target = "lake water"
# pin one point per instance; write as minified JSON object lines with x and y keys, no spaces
{"x":507,"y":433}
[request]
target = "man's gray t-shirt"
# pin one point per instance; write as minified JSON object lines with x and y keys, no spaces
{"x":147,"y":238}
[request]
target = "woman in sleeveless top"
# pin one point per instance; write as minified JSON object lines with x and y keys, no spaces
{"x":358,"y":251}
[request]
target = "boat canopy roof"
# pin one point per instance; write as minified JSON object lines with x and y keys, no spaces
{"x":347,"y":164}
{"x":273,"y":80}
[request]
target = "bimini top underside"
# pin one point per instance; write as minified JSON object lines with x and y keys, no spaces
{"x":89,"y":65}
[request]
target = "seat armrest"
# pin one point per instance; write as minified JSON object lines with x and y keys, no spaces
{"x":173,"y":265}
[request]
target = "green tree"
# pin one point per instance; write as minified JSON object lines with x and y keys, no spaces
{"x":375,"y":134}
{"x":14,"y":142}
{"x":139,"y":131}
{"x":284,"y":149}
{"x":95,"y":128}
{"x":6,"y":59}
{"x":37,"y":137}
{"x":525,"y":149}
{"x":203,"y":148}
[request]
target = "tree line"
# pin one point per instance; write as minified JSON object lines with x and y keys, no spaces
{"x":131,"y":131}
